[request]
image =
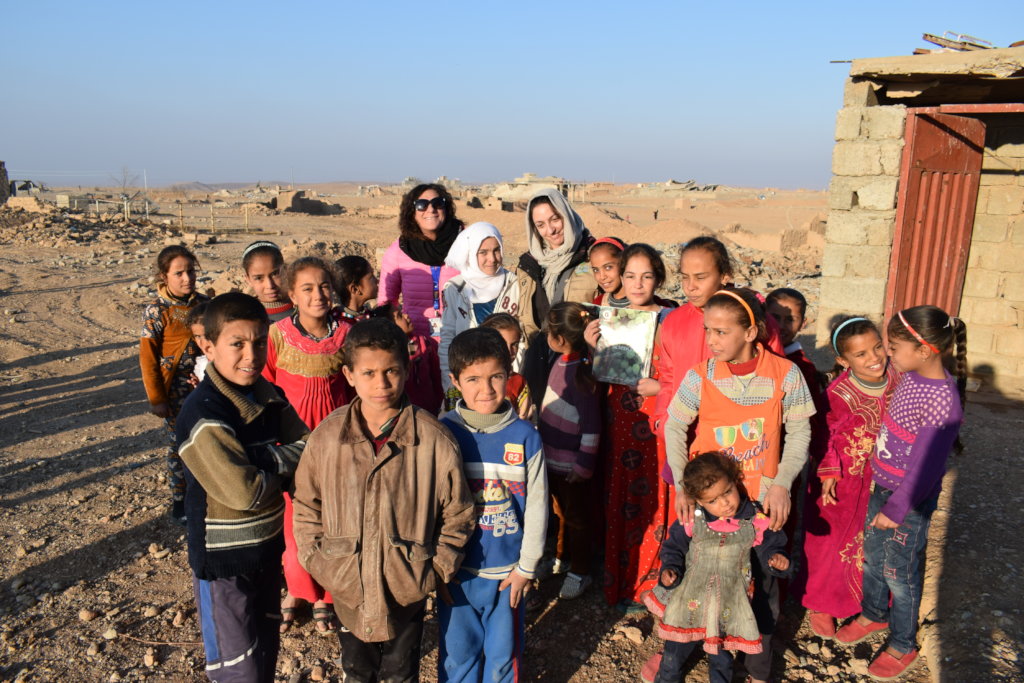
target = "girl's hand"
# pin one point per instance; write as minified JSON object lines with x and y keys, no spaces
{"x":776,"y":504}
{"x":520,"y":586}
{"x":592,"y":332}
{"x":828,"y":491}
{"x":668,"y":577}
{"x":193,"y":381}
{"x":779,"y":562}
{"x":882,"y":522}
{"x":161,"y":410}
{"x":526,"y":411}
{"x":684,"y":507}
{"x":648,"y":387}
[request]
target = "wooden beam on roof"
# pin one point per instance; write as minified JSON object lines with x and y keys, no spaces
{"x":1005,"y":62}
{"x":953,"y":44}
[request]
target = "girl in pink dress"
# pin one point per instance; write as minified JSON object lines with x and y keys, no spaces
{"x":838,"y":496}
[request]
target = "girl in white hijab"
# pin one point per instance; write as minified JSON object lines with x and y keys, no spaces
{"x":482,"y":287}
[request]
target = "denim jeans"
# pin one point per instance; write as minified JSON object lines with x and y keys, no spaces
{"x":676,"y":654}
{"x":894,"y":564}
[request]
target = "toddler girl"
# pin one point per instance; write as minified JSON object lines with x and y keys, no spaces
{"x":263,"y":264}
{"x":710,"y":602}
{"x":357,"y":287}
{"x":570,"y":427}
{"x":919,"y":430}
{"x":838,"y":496}
{"x":167,"y":353}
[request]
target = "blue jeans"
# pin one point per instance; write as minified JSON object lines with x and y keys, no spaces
{"x":676,"y":654}
{"x":894,"y":565}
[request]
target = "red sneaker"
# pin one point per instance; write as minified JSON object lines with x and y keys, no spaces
{"x":650,"y":669}
{"x":823,"y":625}
{"x":886,"y":667}
{"x":855,"y":632}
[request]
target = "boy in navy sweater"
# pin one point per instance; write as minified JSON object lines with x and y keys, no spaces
{"x":482,"y":628}
{"x":240,"y":441}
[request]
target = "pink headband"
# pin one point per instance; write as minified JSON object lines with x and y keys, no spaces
{"x":914,"y":332}
{"x":734,"y":295}
{"x":608,"y":240}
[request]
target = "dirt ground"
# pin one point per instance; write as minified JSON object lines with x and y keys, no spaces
{"x":95,"y":580}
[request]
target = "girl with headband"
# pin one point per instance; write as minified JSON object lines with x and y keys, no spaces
{"x":920,"y":429}
{"x":263,"y":265}
{"x":838,"y":496}
{"x":604,"y":256}
{"x":742,"y":399}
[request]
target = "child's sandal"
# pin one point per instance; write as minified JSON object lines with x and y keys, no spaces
{"x":287,"y":619}
{"x":324,"y":619}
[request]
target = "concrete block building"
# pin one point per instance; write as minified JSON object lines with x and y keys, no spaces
{"x":926,"y":203}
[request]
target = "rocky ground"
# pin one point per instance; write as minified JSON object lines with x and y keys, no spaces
{"x":94,"y":581}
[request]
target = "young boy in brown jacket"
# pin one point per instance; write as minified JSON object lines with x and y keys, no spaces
{"x":382,"y":509}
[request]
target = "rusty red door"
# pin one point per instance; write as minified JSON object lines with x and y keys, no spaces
{"x":940,"y":173}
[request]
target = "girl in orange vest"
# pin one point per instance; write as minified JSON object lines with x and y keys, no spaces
{"x":743,"y":398}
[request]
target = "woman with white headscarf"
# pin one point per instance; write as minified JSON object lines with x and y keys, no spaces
{"x":482,"y":287}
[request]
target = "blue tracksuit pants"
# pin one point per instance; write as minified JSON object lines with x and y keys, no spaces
{"x":481,"y":639}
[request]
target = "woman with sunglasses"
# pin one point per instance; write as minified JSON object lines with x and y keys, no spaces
{"x":555,"y":269}
{"x":413,"y":266}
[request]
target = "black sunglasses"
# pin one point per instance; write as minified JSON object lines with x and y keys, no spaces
{"x":436,"y":202}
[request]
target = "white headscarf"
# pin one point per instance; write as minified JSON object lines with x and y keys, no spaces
{"x":462,"y":257}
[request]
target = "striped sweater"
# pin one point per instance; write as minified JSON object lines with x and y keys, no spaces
{"x":570,"y":421}
{"x":240,"y":446}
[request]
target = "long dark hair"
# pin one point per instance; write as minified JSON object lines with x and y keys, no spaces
{"x":568,"y":320}
{"x":940,"y":330}
{"x":407,"y":210}
{"x":351,"y":270}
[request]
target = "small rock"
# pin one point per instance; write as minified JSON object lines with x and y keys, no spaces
{"x":161,"y":554}
{"x":150,"y":612}
{"x":632,"y":633}
{"x":149,"y":659}
{"x":154,"y":548}
{"x":18,"y":583}
{"x":317,"y":674}
{"x":20,"y":551}
{"x":38,"y":543}
{"x":826,"y":652}
{"x":93,"y":649}
{"x":110,"y":634}
{"x":179,"y":619}
{"x":87,"y":614}
{"x":114,"y":677}
{"x":813,"y":648}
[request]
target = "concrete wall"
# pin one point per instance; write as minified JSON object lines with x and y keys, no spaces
{"x":993,"y":299}
{"x":862,"y":208}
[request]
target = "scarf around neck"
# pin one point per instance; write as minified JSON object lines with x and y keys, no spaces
{"x":555,"y":261}
{"x":431,"y":252}
{"x":462,"y":256}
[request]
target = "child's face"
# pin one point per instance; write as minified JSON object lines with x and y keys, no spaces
{"x":488,"y":256}
{"x":786,"y":312}
{"x":482,"y":385}
{"x":378,"y":376}
{"x":180,"y":277}
{"x":264,"y":277}
{"x":864,"y":355}
{"x":727,"y":339}
{"x":199,"y":334}
{"x":605,"y":267}
{"x":240,"y":351}
{"x":906,"y":355}
{"x":513,"y":338}
{"x":366,"y":289}
{"x":700,"y":276}
{"x":402,"y":319}
{"x":311,"y":293}
{"x":722,"y":499}
{"x":639,"y":281}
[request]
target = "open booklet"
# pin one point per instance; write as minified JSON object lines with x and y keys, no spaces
{"x":624,"y":350}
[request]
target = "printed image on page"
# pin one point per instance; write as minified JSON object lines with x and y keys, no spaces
{"x":624,"y":350}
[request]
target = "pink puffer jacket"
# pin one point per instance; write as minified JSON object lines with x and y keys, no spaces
{"x":400,"y":275}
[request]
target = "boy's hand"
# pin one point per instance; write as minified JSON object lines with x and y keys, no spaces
{"x":520,"y":586}
{"x":647,"y":387}
{"x":779,"y":562}
{"x":882,"y":522}
{"x":161,"y":410}
{"x":526,"y":412}
{"x":668,"y":577}
{"x":684,"y":507}
{"x":442,"y":590}
{"x":828,"y":491}
{"x":776,"y":504}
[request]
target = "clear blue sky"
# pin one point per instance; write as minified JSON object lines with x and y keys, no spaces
{"x":739,"y":93}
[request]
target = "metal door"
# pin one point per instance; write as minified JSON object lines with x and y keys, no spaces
{"x":939,"y":178}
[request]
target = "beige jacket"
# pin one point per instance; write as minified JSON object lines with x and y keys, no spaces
{"x":373,"y":528}
{"x":580,"y":287}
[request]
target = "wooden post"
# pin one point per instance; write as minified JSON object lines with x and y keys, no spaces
{"x":246,"y":218}
{"x":181,"y":219}
{"x":212,"y":221}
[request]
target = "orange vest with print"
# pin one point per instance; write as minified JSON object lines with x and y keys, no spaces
{"x":750,"y":435}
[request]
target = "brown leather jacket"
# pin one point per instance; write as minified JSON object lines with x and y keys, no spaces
{"x":372,"y":529}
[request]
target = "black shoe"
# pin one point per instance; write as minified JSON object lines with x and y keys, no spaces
{"x":177,"y":512}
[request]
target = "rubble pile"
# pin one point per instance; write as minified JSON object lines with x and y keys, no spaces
{"x":56,"y":229}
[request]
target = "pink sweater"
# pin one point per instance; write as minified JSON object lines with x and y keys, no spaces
{"x":400,"y":275}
